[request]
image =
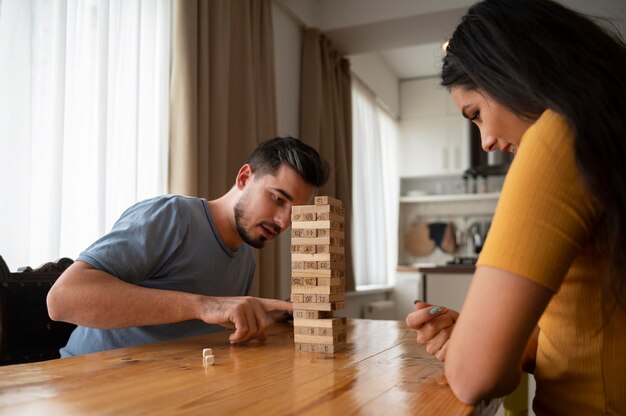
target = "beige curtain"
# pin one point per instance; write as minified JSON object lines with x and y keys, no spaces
{"x":222,"y":102}
{"x":326,"y":121}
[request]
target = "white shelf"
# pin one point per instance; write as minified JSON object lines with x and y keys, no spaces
{"x":450,"y":197}
{"x":430,"y":177}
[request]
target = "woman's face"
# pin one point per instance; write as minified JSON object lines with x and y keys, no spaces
{"x":500,"y":128}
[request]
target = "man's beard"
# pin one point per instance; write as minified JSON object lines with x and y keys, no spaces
{"x":239,"y":216}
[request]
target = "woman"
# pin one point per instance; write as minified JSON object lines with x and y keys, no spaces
{"x":549,"y":291}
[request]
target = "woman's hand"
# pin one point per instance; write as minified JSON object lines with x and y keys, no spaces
{"x":434,"y":325}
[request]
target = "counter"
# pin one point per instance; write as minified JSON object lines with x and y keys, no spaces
{"x":444,"y":268}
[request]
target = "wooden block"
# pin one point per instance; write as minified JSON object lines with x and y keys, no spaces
{"x":304,"y":216}
{"x":327,"y":248}
{"x":303,"y":347}
{"x":297,"y":297}
{"x":327,"y":200}
{"x":304,"y":330}
{"x":330,"y":265}
{"x":305,"y":248}
{"x":304,"y":281}
{"x":208,"y":360}
{"x":318,"y":331}
{"x":328,"y":216}
{"x":327,"y":240}
{"x":335,"y":257}
{"x":321,"y":323}
{"x":318,"y":225}
{"x":310,"y":265}
{"x":311,"y":314}
{"x":328,"y":232}
{"x":303,"y":232}
{"x":304,"y":265}
{"x":331,"y":281}
{"x":313,"y":233}
{"x":299,"y":209}
{"x":207,"y":351}
{"x":333,"y":273}
{"x":319,"y":306}
{"x":337,"y":297}
{"x":318,"y":282}
{"x":321,"y":348}
{"x":319,"y":290}
{"x":316,"y":339}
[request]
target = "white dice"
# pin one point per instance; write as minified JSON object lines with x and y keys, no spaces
{"x":207,"y":357}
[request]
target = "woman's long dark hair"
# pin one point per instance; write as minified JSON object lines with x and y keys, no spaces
{"x":530,"y":55}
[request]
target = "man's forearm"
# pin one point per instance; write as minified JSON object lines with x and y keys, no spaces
{"x":93,"y":298}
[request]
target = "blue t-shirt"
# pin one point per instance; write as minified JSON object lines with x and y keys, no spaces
{"x":168,"y":242}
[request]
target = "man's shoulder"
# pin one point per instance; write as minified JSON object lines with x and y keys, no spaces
{"x":163,"y":210}
{"x":174,"y":199}
{"x":170,"y":202}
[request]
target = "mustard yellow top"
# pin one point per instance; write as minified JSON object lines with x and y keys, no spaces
{"x":543,"y":229}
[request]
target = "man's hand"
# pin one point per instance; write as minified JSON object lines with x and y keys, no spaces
{"x":248,"y":315}
{"x":434,"y":325}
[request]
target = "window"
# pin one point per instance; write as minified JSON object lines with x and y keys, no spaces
{"x":83,"y":120}
{"x":375,"y":190}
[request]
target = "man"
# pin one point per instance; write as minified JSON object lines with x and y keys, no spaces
{"x":177,"y":266}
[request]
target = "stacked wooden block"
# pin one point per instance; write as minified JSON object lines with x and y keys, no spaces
{"x":317,"y":275}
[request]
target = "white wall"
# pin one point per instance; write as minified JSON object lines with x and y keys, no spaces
{"x":377,"y":75}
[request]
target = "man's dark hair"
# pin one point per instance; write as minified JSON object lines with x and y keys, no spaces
{"x":271,"y":154}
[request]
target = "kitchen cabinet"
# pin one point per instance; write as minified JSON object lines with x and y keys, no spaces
{"x":408,"y":288}
{"x":434,"y":137}
{"x":447,"y":288}
{"x":445,"y":285}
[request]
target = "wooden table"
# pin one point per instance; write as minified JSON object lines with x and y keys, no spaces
{"x":383,"y":371}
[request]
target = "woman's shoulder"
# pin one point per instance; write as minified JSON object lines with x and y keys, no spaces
{"x":550,"y":123}
{"x":549,"y":142}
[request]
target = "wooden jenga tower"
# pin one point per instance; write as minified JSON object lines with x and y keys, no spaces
{"x":317,"y":277}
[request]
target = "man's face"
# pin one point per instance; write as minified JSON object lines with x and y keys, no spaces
{"x":264,"y":209}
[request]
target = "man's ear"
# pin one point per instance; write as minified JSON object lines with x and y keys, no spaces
{"x":244,"y":175}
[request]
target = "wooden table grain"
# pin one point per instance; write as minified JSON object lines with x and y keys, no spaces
{"x":381,"y":372}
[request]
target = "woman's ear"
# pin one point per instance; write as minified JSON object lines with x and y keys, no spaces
{"x":243,"y":176}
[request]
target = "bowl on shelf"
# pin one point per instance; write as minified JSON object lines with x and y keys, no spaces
{"x":416,"y":192}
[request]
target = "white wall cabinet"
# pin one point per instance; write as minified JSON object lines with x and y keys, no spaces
{"x":434,"y":137}
{"x":447,"y":289}
{"x":408,"y":289}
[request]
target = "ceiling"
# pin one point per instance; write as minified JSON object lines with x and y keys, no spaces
{"x":406,"y":34}
{"x":413,"y":61}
